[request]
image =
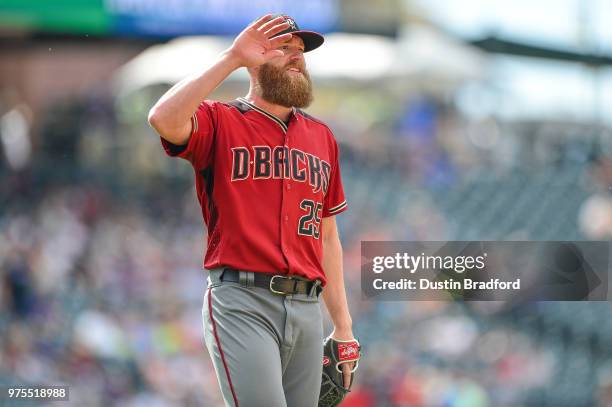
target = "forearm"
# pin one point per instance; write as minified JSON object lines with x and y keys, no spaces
{"x":174,"y":109}
{"x":334,"y":293}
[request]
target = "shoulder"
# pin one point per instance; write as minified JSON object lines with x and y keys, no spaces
{"x":233,"y":106}
{"x":316,"y":123}
{"x":217,"y":112}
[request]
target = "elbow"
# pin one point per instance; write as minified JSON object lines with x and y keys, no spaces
{"x":166,"y":129}
{"x":158,"y":124}
{"x":153,"y":118}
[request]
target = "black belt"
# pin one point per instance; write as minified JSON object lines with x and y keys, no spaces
{"x":277,"y":283}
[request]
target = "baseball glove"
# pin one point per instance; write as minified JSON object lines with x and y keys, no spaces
{"x":336,"y":353}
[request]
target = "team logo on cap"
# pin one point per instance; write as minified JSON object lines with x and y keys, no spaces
{"x":291,"y":23}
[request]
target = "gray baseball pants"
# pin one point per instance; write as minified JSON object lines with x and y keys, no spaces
{"x":266,"y":348}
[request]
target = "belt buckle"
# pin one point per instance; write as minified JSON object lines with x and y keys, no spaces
{"x":272,"y":282}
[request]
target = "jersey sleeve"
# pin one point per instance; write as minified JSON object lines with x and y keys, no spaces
{"x":198,"y":149}
{"x":334,"y":201}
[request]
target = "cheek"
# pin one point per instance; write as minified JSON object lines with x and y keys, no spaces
{"x":279,"y":61}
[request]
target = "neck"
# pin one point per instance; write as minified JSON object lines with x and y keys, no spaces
{"x":279,"y":111}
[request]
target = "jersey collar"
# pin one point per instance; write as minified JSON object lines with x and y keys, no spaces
{"x":278,"y":121}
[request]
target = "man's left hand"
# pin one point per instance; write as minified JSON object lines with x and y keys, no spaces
{"x":347,"y":368}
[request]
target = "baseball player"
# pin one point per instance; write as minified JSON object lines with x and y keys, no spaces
{"x":269,"y":185}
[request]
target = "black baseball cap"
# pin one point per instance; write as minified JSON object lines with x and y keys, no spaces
{"x":312,"y":40}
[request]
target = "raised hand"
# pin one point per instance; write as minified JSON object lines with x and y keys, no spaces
{"x":254,"y":45}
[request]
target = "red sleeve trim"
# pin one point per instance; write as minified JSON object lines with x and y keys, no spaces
{"x":337,"y":209}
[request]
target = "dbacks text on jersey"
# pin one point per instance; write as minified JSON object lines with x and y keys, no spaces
{"x":264,"y":162}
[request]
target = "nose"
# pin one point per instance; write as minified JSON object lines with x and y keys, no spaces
{"x":296,"y":55}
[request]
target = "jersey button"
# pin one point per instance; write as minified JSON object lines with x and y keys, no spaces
{"x":288,"y":187}
{"x":286,"y":218}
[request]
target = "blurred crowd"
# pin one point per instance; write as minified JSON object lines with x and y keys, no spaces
{"x":101,"y":287}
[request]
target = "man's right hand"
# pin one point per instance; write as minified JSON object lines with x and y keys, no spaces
{"x":171,"y":115}
{"x":254,"y":45}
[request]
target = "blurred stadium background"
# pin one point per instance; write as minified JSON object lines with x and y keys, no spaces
{"x":457,"y":120}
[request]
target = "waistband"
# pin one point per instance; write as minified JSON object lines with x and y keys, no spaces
{"x":280,"y":284}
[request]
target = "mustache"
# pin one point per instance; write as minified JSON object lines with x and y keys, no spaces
{"x":298,"y":65}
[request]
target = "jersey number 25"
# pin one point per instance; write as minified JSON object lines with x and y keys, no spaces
{"x":309,"y":223}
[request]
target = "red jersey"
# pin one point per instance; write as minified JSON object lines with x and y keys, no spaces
{"x":263,"y":186}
